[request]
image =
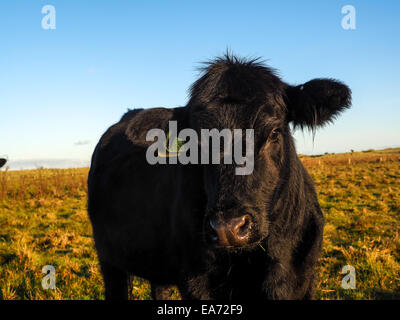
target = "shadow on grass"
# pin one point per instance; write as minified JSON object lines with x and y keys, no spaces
{"x":6,"y":258}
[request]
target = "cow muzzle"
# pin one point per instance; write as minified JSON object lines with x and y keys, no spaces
{"x":232,"y":233}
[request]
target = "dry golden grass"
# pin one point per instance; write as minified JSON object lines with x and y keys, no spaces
{"x":359,"y":194}
{"x":43,"y":220}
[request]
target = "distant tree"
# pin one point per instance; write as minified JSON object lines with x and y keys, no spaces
{"x":351,"y":150}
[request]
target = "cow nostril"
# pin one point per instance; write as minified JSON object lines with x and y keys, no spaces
{"x":242,"y":228}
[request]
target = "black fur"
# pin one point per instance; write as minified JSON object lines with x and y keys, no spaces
{"x":152,"y":220}
{"x":317,"y":102}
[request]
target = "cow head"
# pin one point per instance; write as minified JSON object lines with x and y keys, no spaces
{"x":234,"y":93}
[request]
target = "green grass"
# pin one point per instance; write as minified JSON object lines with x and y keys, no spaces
{"x":43,"y":220}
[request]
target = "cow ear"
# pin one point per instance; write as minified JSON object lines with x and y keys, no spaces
{"x":317,"y":102}
{"x":141,"y":121}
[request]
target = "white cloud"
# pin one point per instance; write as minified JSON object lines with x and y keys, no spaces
{"x":82,"y":143}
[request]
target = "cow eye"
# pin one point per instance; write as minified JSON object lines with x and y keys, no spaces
{"x":274,"y":134}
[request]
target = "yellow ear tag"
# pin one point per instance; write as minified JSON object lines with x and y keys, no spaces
{"x":173,"y":148}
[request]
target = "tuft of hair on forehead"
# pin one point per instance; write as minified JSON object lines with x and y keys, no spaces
{"x":235,"y":79}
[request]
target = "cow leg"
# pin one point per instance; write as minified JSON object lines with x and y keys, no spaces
{"x":309,"y":295}
{"x":115,"y":281}
{"x":161,"y":292}
{"x":195,"y":289}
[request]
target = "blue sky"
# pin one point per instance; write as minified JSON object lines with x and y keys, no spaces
{"x":60,"y":89}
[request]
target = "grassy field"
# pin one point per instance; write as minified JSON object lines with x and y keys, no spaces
{"x":43,"y":221}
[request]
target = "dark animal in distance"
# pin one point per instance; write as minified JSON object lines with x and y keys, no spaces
{"x":214,"y":234}
{"x":2,"y":162}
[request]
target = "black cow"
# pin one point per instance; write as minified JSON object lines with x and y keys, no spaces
{"x":3,"y":161}
{"x":212,"y":233}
